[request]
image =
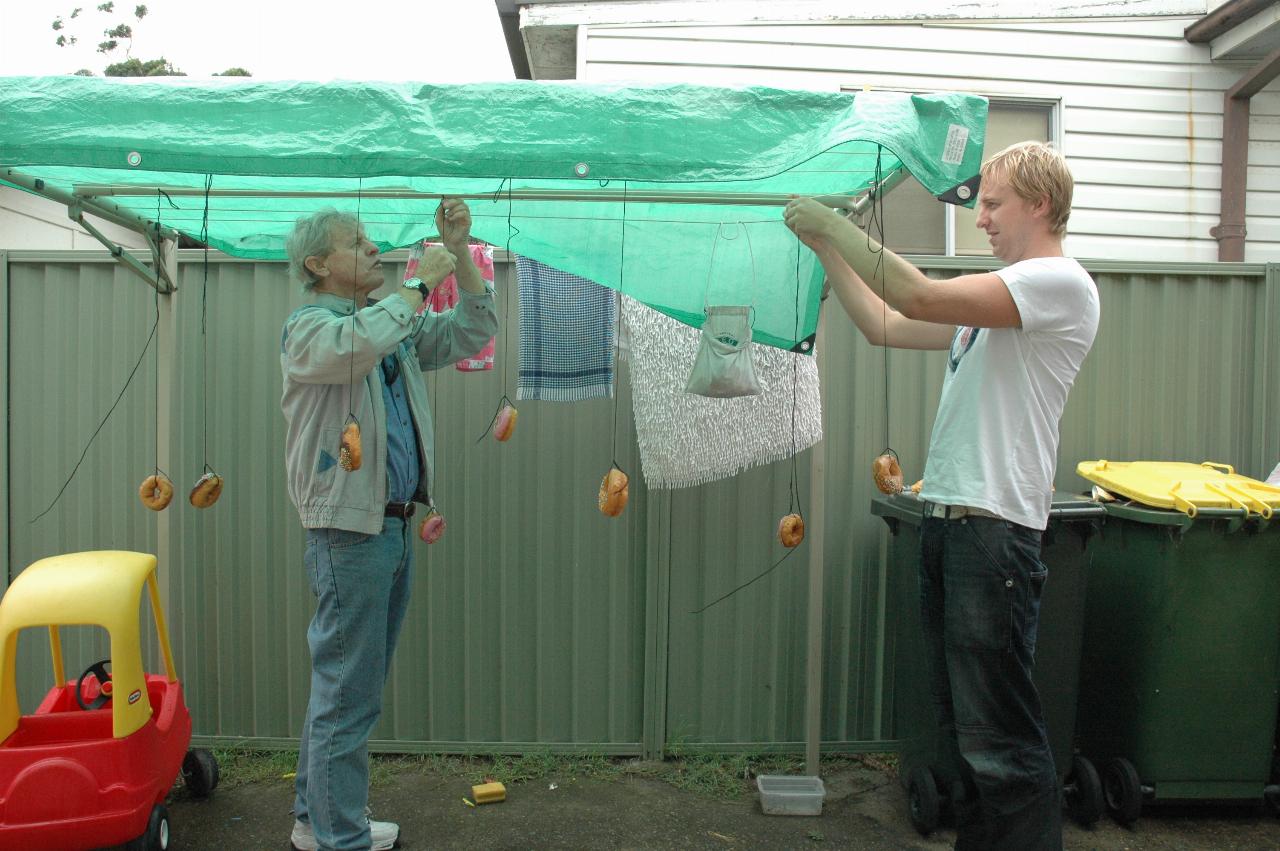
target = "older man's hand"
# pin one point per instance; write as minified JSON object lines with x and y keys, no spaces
{"x":453,"y":222}
{"x":436,"y":264}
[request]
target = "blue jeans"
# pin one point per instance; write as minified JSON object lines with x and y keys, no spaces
{"x":362,"y":586}
{"x":980,"y":584}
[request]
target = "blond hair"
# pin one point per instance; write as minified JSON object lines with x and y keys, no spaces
{"x":1035,"y":170}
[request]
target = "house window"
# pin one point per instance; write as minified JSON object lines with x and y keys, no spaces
{"x":916,"y":223}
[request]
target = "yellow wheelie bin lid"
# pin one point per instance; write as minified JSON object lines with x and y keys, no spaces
{"x":1183,"y":486}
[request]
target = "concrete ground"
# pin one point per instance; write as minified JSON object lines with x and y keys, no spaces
{"x":864,"y":809}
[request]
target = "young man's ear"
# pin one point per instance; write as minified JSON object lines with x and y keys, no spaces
{"x":1041,"y":207}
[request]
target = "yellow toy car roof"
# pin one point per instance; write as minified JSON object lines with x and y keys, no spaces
{"x":101,"y":588}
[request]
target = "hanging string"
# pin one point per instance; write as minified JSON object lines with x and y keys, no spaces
{"x":351,"y":369}
{"x":794,"y":486}
{"x":204,"y":314}
{"x":876,"y":224}
{"x":155,"y":325}
{"x":512,"y":232}
{"x":795,"y":383}
{"x":119,"y":396}
{"x":746,"y":584}
{"x":622,"y":269}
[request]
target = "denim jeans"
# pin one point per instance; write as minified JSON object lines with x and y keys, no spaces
{"x":361,"y":583}
{"x":980,"y":584}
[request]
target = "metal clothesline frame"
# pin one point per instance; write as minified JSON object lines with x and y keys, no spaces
{"x":93,"y":198}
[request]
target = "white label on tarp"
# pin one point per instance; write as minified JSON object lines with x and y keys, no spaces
{"x":957,"y":139}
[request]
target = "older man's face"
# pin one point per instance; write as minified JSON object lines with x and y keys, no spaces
{"x":355,"y":268}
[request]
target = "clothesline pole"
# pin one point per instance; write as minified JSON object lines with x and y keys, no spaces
{"x":813,"y":666}
{"x":853,"y":203}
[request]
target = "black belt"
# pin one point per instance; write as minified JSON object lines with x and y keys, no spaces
{"x":403,"y":510}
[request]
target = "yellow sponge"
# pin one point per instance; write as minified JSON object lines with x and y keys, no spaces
{"x":489,"y":793}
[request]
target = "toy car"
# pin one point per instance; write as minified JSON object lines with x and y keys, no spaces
{"x":91,"y":767}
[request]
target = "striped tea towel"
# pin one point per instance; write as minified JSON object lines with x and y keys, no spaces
{"x":688,"y":440}
{"x":566,"y":335}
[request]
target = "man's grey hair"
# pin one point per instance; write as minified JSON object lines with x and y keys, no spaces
{"x":312,"y":236}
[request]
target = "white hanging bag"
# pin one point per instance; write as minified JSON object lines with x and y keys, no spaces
{"x":723,"y":367}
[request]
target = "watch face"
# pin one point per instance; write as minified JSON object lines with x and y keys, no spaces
{"x":413,"y":283}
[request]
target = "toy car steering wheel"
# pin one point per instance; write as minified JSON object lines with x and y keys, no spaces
{"x":99,"y":671}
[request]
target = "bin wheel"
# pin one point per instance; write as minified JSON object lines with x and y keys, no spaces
{"x":200,"y":772}
{"x":1082,"y":791}
{"x":157,"y":836}
{"x":1123,"y":791}
{"x":923,"y":799}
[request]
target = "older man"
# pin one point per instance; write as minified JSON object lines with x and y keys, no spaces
{"x":345,"y":354}
{"x":1017,"y":338}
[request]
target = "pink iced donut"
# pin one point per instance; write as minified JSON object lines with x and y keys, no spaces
{"x":505,"y":424}
{"x":432,"y":527}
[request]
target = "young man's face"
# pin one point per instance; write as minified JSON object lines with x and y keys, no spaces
{"x":1009,"y":220}
{"x":355,"y":268}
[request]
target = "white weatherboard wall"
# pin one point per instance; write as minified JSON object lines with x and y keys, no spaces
{"x":1140,"y":109}
{"x":31,"y":223}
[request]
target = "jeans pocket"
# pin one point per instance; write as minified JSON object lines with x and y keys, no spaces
{"x":341,"y":539}
{"x":978,"y":594}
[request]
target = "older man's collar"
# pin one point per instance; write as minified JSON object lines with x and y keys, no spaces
{"x":336,"y":303}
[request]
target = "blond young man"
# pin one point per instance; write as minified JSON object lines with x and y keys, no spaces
{"x":1016,"y":339}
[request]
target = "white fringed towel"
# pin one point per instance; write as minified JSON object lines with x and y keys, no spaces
{"x":688,"y":440}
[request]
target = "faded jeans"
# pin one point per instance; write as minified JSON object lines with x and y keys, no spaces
{"x":980,"y":585}
{"x":361,"y":583}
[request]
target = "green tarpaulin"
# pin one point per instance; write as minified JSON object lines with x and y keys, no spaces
{"x":296,"y":147}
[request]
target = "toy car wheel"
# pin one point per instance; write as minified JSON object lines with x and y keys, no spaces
{"x":157,"y":836}
{"x":200,"y":772}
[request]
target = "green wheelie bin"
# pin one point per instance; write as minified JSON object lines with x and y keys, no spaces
{"x":1181,"y":656}
{"x":1073,"y":524}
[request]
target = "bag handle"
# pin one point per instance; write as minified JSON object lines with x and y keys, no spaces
{"x":706,"y":292}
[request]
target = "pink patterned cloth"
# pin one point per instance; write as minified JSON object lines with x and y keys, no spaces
{"x":445,"y":296}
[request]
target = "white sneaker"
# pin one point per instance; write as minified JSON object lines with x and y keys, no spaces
{"x":384,"y":835}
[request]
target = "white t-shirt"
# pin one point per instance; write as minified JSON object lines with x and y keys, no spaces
{"x":995,"y":440}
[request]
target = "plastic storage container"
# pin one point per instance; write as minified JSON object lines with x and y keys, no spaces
{"x":1073,"y":524}
{"x":1181,"y":656}
{"x":783,"y":795}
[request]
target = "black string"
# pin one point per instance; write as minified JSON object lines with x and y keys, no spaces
{"x":795,"y":505}
{"x":877,"y":223}
{"x":204,"y":313}
{"x":351,"y":370}
{"x":622,"y":269}
{"x":512,"y":232}
{"x":795,"y":383}
{"x":752,"y":581}
{"x":157,"y":372}
{"x":119,"y":396}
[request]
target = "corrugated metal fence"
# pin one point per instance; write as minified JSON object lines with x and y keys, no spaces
{"x":537,"y":622}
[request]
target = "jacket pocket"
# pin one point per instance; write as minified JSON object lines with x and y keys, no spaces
{"x":324,"y":470}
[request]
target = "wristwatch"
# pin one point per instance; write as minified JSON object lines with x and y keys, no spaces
{"x":416,"y":283}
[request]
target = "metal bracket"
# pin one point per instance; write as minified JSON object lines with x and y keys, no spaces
{"x":157,"y":276}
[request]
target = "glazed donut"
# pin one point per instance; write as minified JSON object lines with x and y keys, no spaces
{"x":887,"y":473}
{"x":349,"y":453}
{"x":791,"y":530}
{"x":613,"y":492}
{"x":156,"y":491}
{"x":431,"y":527}
{"x":505,"y":424}
{"x":917,"y":486}
{"x":207,"y":490}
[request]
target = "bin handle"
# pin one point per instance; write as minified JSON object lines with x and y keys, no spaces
{"x":1238,"y":500}
{"x":1212,"y":465}
{"x":1180,"y":502}
{"x":1258,"y":506}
